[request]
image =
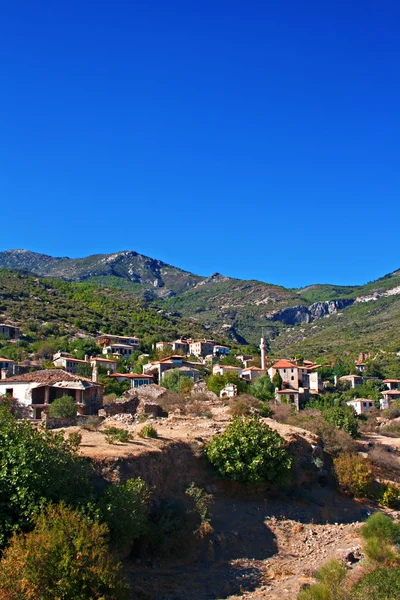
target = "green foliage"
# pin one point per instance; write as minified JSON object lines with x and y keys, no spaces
{"x":84,"y":370}
{"x":36,"y":467}
{"x":65,"y":556}
{"x":382,"y":527}
{"x":231,"y":360}
{"x":216,"y":382}
{"x":354,"y":474}
{"x":381,"y":584}
{"x":201,"y":501}
{"x":125,"y":507}
{"x":390,"y":496}
{"x":329,"y":586}
{"x":75,"y":439}
{"x":342,"y":417}
{"x":174,"y":381}
{"x":116,"y":434}
{"x":250,"y":452}
{"x":148,"y":431}
{"x":63,"y":408}
{"x":277,"y":381}
{"x":247,"y":405}
{"x":263,"y":388}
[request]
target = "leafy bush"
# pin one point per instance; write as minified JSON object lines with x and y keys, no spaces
{"x":65,"y":556}
{"x":116,"y":434}
{"x":390,"y":496}
{"x":382,"y":527}
{"x":36,"y":467}
{"x":354,"y":474}
{"x":263,"y":388}
{"x":343,"y":418}
{"x":63,"y":408}
{"x":381,"y":584}
{"x":250,"y":452}
{"x":329,"y":586}
{"x":148,"y":431}
{"x":125,"y":507}
{"x":201,"y":500}
{"x":336,"y":441}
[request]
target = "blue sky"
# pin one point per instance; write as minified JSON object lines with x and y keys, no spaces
{"x":258,"y":139}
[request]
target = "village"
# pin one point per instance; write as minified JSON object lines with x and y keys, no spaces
{"x":293,"y":381}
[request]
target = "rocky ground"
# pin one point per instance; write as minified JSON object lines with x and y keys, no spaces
{"x":261,"y":546}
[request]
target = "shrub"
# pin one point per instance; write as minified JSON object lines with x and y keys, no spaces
{"x":390,"y":496}
{"x":342,"y":418}
{"x":335,"y":441}
{"x":379,"y":552}
{"x":354,"y":474}
{"x":382,"y":527}
{"x":329,"y":586}
{"x":125,"y":507}
{"x":250,"y":452}
{"x":116,"y":434}
{"x":75,"y":439}
{"x":92,"y":423}
{"x":201,"y":500}
{"x":248,"y":405}
{"x":63,"y":408}
{"x":36,"y":467}
{"x":391,"y":430}
{"x":65,"y":556}
{"x":381,"y":584}
{"x":384,"y":458}
{"x":282,"y":412}
{"x":148,"y":431}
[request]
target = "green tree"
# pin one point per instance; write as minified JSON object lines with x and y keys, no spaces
{"x":342,"y":417}
{"x":263,"y":388}
{"x":174,"y":381}
{"x":231,"y":360}
{"x":277,"y":381}
{"x":36,"y":467}
{"x":63,"y":408}
{"x":66,"y":557}
{"x":250,"y":452}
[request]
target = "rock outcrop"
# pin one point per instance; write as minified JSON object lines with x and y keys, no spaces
{"x":306,"y":314}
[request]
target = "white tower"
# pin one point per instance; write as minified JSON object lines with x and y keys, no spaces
{"x":263,"y":349}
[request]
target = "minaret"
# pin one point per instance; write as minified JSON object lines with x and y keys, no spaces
{"x":263,"y":349}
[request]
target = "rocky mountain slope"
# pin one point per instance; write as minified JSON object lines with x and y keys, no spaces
{"x":324,"y":316}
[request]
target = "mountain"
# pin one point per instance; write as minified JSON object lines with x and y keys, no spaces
{"x":127,"y":269}
{"x":319,"y":318}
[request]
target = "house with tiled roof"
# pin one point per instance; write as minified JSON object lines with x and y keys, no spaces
{"x":135,"y":379}
{"x":34,"y":392}
{"x":252,"y":373}
{"x":223,"y":369}
{"x":176,"y":361}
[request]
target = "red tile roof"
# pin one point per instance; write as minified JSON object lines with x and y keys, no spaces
{"x":132,"y":375}
{"x":285,"y":364}
{"x":46,"y":377}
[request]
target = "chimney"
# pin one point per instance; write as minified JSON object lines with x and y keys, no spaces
{"x":86,"y":357}
{"x":95,"y":374}
{"x":263,"y":349}
{"x":3,"y":373}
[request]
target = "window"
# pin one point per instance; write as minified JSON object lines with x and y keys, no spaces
{"x":9,"y":391}
{"x":292,"y":377}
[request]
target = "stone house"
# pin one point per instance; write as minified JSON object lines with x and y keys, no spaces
{"x":297,"y":397}
{"x":136,"y":380}
{"x":223,"y":369}
{"x":123,"y":350}
{"x":108,"y":363}
{"x":388,"y":396}
{"x":201,"y":348}
{"x":391,"y":384}
{"x":171,"y":362}
{"x":229,"y":391}
{"x":361,"y":405}
{"x":252,"y":373}
{"x":68,"y":362}
{"x":106,"y":339}
{"x":9,"y":331}
{"x":35,"y":391}
{"x":181,"y":345}
{"x":352,"y":380}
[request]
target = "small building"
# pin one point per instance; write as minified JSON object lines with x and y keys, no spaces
{"x":361,"y":405}
{"x":392,"y":384}
{"x":252,"y":373}
{"x":9,"y":331}
{"x":388,"y":396}
{"x":68,"y":363}
{"x":122,"y":350}
{"x":221,"y":350}
{"x":107,"y":363}
{"x":171,"y":362}
{"x":160,"y":346}
{"x":189,"y":372}
{"x":136,"y":379}
{"x":201,"y":348}
{"x":292,"y":375}
{"x":106,"y":339}
{"x":293,"y":396}
{"x":180,"y":346}
{"x":246,"y":359}
{"x":223,"y":369}
{"x":229,"y":391}
{"x":352,"y":380}
{"x":6,"y":367}
{"x":34,"y":392}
